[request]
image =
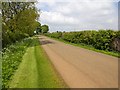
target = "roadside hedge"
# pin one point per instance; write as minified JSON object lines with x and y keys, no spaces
{"x":101,"y":39}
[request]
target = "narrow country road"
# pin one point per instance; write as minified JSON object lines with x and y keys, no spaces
{"x":81,"y":68}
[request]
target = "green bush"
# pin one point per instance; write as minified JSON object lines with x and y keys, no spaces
{"x":101,"y":39}
{"x":11,"y":58}
{"x":55,"y":34}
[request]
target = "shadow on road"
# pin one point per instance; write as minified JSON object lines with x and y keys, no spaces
{"x":43,"y":42}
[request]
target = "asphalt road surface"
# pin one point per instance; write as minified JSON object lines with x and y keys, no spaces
{"x":81,"y":68}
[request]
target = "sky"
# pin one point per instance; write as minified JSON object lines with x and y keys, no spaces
{"x":77,"y":15}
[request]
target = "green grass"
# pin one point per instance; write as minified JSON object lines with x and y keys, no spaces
{"x":36,"y":70}
{"x":112,"y":53}
{"x":11,"y":58}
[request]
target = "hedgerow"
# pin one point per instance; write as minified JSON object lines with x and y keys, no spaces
{"x":101,"y":39}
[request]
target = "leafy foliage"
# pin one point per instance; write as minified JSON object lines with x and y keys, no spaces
{"x":54,"y":34}
{"x":12,"y":57}
{"x":45,"y":28}
{"x":101,"y":39}
{"x":18,"y":21}
{"x":38,"y":29}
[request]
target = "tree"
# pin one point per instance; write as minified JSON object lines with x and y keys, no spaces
{"x":38,"y":29}
{"x":45,"y":28}
{"x":19,"y":20}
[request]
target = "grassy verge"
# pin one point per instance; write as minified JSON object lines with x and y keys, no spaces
{"x":11,"y":58}
{"x":36,"y":71}
{"x":112,"y":53}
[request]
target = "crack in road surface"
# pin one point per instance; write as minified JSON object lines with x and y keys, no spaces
{"x":81,"y":68}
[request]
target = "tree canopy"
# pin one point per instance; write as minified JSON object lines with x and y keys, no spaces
{"x":19,"y":20}
{"x":45,"y":28}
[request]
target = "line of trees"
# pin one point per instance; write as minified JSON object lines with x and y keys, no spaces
{"x":42,"y":29}
{"x":19,"y":20}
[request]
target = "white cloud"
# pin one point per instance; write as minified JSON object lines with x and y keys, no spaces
{"x":88,"y":14}
{"x":56,"y":17}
